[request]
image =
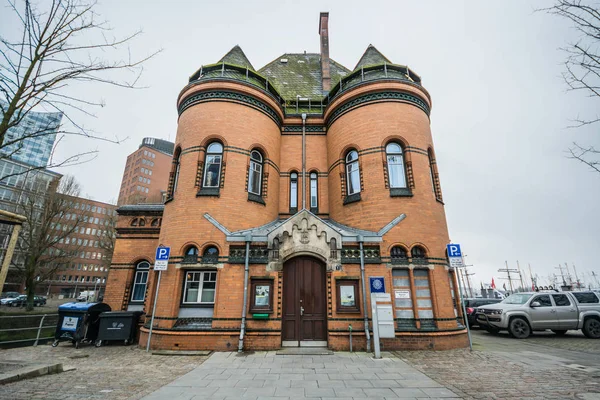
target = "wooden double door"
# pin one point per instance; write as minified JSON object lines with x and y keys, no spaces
{"x":304,"y":303}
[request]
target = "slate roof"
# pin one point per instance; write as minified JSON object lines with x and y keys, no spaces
{"x":300,"y":75}
{"x":236,"y":56}
{"x":371,"y":56}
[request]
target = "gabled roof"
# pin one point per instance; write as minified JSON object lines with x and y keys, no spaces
{"x":236,"y":56}
{"x":371,"y":56}
{"x":347,"y":233}
{"x":299,"y":74}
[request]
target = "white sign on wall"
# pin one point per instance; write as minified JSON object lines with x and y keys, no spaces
{"x":402,"y":294}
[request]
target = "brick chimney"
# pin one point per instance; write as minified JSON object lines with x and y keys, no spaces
{"x":324,"y":33}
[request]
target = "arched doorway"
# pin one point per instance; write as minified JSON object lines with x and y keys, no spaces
{"x":304,"y":303}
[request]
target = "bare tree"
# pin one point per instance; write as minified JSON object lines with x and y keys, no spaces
{"x":582,"y":66}
{"x":47,"y":240}
{"x":60,"y":43}
{"x":106,"y":239}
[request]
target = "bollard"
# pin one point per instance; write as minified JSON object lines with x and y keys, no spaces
{"x":350,"y":330}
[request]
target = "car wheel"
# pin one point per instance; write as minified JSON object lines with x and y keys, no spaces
{"x":591,"y":328}
{"x":519,"y":328}
{"x":559,"y":332}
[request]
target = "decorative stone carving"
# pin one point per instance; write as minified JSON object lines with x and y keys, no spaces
{"x":304,"y":234}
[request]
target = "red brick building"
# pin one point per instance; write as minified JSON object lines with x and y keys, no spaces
{"x":290,"y":187}
{"x":146,"y":173}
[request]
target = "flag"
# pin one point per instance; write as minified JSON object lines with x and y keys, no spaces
{"x":493,"y":284}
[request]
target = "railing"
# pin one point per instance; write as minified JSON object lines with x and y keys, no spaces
{"x":16,"y":329}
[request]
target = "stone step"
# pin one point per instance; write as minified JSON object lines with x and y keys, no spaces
{"x":304,"y":351}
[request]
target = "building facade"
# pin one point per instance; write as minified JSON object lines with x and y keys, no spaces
{"x":31,"y":141}
{"x":18,"y":182}
{"x":91,"y":245}
{"x":290,"y":187}
{"x":146,"y":173}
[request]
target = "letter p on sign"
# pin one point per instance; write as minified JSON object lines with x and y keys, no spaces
{"x":454,"y":250}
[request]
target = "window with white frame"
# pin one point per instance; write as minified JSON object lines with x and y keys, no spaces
{"x":395,"y":161}
{"x":212,"y":165}
{"x":255,"y":175}
{"x":140,"y":281}
{"x":314,"y":193}
{"x":352,"y":172}
{"x":293,"y":192}
{"x":200,"y":287}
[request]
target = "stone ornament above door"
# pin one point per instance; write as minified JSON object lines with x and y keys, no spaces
{"x":304,"y":234}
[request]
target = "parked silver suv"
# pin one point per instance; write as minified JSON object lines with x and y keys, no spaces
{"x":522,"y":313}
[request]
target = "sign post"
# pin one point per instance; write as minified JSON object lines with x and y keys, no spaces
{"x":161,"y":261}
{"x":381,"y":311}
{"x":456,"y":262}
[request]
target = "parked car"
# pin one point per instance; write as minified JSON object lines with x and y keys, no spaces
{"x":471,"y":307}
{"x":9,"y":296}
{"x":21,"y":301}
{"x":522,"y":313}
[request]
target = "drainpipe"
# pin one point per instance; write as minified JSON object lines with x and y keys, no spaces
{"x":246,"y":269}
{"x":303,"y":161}
{"x":364,"y":289}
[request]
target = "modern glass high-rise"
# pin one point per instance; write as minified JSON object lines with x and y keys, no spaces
{"x":38,"y":130}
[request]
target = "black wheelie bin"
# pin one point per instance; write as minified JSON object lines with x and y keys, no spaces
{"x":118,"y":325}
{"x":78,"y":322}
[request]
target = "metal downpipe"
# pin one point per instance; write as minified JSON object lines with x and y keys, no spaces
{"x":303,"y":161}
{"x":246,"y":270}
{"x":364,"y":289}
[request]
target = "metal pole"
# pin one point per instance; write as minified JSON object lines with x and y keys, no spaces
{"x":245,"y":306}
{"x":509,"y":280}
{"x":153,"y":312}
{"x":464,"y":310}
{"x":364,"y":289}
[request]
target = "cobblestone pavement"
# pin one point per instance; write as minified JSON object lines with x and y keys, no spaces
{"x":541,"y":367}
{"x":108,"y":372}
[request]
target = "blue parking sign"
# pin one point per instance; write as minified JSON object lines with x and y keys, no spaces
{"x":454,"y":250}
{"x":161,"y":261}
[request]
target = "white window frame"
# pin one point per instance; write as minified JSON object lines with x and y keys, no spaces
{"x":314,"y":190}
{"x":213,"y":151}
{"x":395,"y":163}
{"x":352,"y":167}
{"x":256,"y":167}
{"x":201,"y":289}
{"x":142,"y":270}
{"x":294,"y":190}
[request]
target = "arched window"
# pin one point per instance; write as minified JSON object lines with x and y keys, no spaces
{"x":155,"y":222}
{"x":142,"y":222}
{"x":314,"y":194}
{"x":212,"y":165}
{"x":138,"y":292}
{"x":255,"y":176}
{"x":395,"y":161}
{"x":352,"y":172}
{"x":293,"y":192}
{"x":191,"y":255}
{"x":134,"y":222}
{"x":399,"y":255}
{"x":333,"y":249}
{"x":176,"y":165}
{"x":210,"y":255}
{"x":418,"y":255}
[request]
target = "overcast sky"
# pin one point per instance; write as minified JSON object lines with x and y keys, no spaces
{"x":499,"y":117}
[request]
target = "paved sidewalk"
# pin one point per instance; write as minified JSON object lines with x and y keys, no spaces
{"x":265,"y":375}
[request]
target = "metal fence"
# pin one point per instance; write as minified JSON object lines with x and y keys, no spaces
{"x":21,"y":329}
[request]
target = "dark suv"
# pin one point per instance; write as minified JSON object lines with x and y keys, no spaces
{"x":471,"y":306}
